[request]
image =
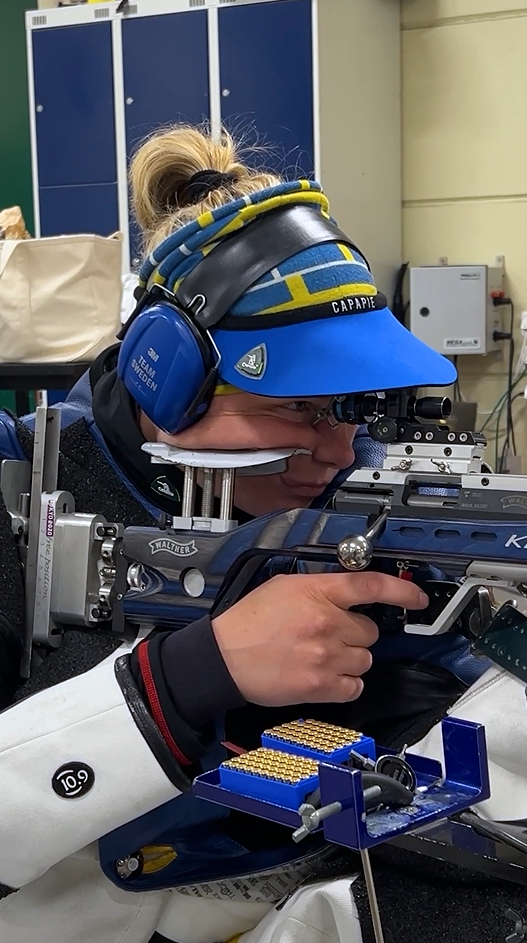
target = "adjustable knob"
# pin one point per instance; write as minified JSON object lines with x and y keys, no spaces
{"x":356,"y":552}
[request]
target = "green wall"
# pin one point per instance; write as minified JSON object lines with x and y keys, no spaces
{"x":15,"y":157}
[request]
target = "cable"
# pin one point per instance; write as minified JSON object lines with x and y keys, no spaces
{"x":496,"y":435}
{"x":511,"y":379}
{"x":498,"y":406}
{"x":399,"y":306}
{"x":457,"y":389}
{"x":506,"y":443}
{"x":514,"y":398}
{"x":510,"y":435}
{"x":497,"y":464}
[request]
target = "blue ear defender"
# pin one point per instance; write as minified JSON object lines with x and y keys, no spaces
{"x":167,"y":367}
{"x":168,"y":361}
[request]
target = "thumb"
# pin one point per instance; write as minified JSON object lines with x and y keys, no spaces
{"x":358,"y":589}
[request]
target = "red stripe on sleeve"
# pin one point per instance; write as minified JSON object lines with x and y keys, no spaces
{"x":155,"y":706}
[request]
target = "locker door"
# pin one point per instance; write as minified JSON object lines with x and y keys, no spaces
{"x":84,"y":208}
{"x":166,"y":76}
{"x":266,"y":77}
{"x":166,"y":73}
{"x":75,"y":133}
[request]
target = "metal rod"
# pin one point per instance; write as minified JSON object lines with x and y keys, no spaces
{"x":44,"y":475}
{"x":187,"y":503}
{"x":372,"y":896}
{"x":207,"y":499}
{"x":373,"y":531}
{"x":227,"y":493}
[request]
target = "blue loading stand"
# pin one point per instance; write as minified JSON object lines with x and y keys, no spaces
{"x":440,"y":793}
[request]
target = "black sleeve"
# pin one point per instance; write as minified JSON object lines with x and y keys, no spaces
{"x":11,"y":648}
{"x":185,"y":682}
{"x":12,"y":610}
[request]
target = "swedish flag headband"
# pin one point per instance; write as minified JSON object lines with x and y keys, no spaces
{"x":307,"y":281}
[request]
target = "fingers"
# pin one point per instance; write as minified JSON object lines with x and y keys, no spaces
{"x":355,"y":661}
{"x":359,"y":631}
{"x":355,"y":589}
{"x":342,"y":690}
{"x":337,"y":675}
{"x":359,"y":634}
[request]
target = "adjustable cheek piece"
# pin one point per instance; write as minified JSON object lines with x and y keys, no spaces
{"x":168,"y":361}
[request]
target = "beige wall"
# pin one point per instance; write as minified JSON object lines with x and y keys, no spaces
{"x":360,"y":155}
{"x":464,"y":114}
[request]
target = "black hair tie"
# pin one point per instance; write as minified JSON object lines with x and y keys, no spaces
{"x":201,"y":184}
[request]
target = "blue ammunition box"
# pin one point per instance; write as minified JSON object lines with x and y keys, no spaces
{"x":272,"y":776}
{"x":318,"y":741}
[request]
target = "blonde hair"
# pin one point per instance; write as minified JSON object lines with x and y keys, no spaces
{"x":163,"y":166}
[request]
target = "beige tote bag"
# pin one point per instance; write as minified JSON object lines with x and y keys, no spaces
{"x":60,"y":298}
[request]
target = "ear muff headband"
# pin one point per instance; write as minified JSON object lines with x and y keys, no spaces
{"x":167,"y":360}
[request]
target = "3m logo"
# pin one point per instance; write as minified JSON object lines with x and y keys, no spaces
{"x":517,"y":541}
{"x":175,"y":547}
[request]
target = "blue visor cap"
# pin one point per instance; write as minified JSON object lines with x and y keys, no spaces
{"x":317,"y":326}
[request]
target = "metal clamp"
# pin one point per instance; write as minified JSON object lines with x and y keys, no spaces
{"x":217,"y":471}
{"x":312,"y":818}
{"x":71,"y":561}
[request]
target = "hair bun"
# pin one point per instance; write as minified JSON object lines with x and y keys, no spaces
{"x":201,"y":184}
{"x":172,"y":179}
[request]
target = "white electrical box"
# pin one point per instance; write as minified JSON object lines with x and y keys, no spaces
{"x":451,"y":307}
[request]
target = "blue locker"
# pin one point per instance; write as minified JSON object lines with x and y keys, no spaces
{"x":166,"y":72}
{"x":74,"y":99}
{"x":90,"y":208}
{"x":166,"y":78}
{"x":266,"y":75}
